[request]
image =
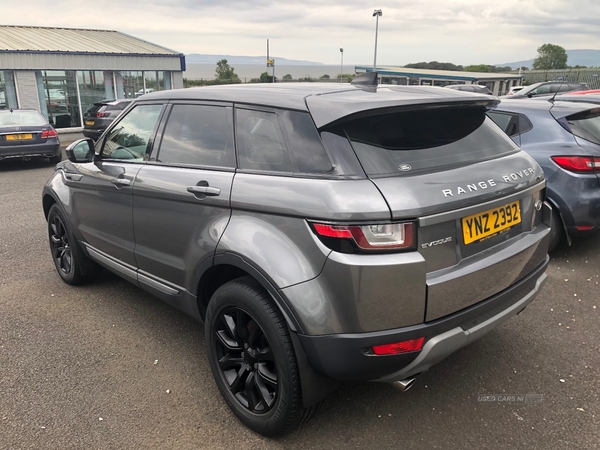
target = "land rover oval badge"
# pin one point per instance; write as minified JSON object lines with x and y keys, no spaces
{"x":404,"y":167}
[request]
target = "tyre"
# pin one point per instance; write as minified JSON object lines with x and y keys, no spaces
{"x":557,"y":231}
{"x":253,"y":360}
{"x":73,"y":266}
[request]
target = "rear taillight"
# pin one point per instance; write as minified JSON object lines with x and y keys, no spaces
{"x":49,"y":134}
{"x":580,"y":164}
{"x":390,"y":236}
{"x":412,"y":345}
{"x":102,"y":114}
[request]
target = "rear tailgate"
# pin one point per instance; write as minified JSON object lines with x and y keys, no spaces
{"x":475,"y":196}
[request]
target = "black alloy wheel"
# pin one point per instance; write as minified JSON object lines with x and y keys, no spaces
{"x":73,"y":266}
{"x":59,"y":245}
{"x":252,"y":358}
{"x":246,"y":360}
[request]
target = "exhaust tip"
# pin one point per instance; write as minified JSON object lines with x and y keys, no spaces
{"x":404,"y":385}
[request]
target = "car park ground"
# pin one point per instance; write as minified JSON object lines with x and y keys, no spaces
{"x":107,"y":366}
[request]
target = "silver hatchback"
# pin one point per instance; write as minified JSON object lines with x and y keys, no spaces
{"x":322,"y":232}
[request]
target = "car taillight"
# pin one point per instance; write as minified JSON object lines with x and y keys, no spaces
{"x":581,"y":164}
{"x":390,"y":236}
{"x":102,"y":114}
{"x":49,"y":134}
{"x":412,"y":345}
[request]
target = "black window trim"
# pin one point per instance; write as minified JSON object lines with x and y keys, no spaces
{"x":520,"y":117}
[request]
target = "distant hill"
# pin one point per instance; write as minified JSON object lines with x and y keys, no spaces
{"x":196,"y":58}
{"x":576,"y":58}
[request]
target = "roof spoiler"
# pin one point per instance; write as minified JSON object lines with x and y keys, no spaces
{"x":366,"y":79}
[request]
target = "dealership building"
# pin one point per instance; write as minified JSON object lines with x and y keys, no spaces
{"x":61,"y":72}
{"x":498,"y":83}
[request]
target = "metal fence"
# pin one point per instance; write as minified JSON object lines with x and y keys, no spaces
{"x":587,"y":76}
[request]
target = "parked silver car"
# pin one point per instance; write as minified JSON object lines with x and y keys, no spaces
{"x":322,"y":232}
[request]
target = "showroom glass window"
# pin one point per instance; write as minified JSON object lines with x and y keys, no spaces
{"x":94,"y":86}
{"x":58,"y":97}
{"x":8,"y":94}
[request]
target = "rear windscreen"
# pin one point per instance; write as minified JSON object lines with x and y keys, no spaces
{"x":21,"y":118}
{"x":409,"y":142}
{"x":586,"y":125}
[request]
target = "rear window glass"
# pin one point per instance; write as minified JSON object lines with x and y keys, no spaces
{"x":410,"y":142}
{"x":586,"y":125}
{"x":20,"y":118}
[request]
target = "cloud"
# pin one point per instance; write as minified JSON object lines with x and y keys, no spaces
{"x":459,"y":31}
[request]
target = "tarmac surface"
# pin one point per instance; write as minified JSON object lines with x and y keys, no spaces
{"x":107,"y":366}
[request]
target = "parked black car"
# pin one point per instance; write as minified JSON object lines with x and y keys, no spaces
{"x":101,"y":115}
{"x":322,"y":232}
{"x":564,"y":138}
{"x":547,"y":88}
{"x":25,"y":133}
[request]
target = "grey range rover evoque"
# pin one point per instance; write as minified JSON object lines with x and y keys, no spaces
{"x":322,"y":232}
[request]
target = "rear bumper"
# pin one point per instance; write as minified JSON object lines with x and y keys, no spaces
{"x":93,"y":133}
{"x":348,"y":356}
{"x":46,"y":149}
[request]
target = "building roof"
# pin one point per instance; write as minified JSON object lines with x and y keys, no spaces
{"x":438,"y":74}
{"x":73,"y":40}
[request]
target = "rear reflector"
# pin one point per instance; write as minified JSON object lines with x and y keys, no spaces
{"x":413,"y":345}
{"x":371,"y":237}
{"x":49,"y":133}
{"x":584,"y":227}
{"x":580,"y":164}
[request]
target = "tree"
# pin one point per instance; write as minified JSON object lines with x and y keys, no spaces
{"x":324,"y":77}
{"x":225,"y":74}
{"x":550,"y":56}
{"x":287,"y":77}
{"x":478,"y":68}
{"x":266,"y":78}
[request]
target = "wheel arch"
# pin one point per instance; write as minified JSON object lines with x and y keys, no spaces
{"x":229,"y":266}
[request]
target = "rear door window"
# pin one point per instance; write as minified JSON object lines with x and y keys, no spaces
{"x":409,"y":142}
{"x":198,"y":135}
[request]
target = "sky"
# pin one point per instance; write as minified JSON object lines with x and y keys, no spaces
{"x":458,"y":31}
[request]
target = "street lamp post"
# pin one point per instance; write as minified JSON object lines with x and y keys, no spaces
{"x":342,"y":65}
{"x":377,"y":13}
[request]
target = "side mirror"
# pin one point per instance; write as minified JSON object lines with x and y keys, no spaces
{"x":81,"y":151}
{"x":529,"y":95}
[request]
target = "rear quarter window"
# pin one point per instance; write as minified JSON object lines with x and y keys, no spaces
{"x":409,"y":142}
{"x":279,"y":141}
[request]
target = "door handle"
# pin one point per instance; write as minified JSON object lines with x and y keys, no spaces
{"x":119,"y":182}
{"x":73,"y":176}
{"x":206,"y":190}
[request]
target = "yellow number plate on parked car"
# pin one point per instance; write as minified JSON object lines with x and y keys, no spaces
{"x":490,"y":222}
{"x":19,"y":137}
{"x":89,"y":122}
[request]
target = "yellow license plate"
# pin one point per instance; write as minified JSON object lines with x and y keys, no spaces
{"x":491,"y":222}
{"x":19,"y":137}
{"x":89,"y":122}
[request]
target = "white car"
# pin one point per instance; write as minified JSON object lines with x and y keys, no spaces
{"x":513,"y":90}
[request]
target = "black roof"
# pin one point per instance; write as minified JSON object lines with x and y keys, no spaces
{"x":327,"y":102}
